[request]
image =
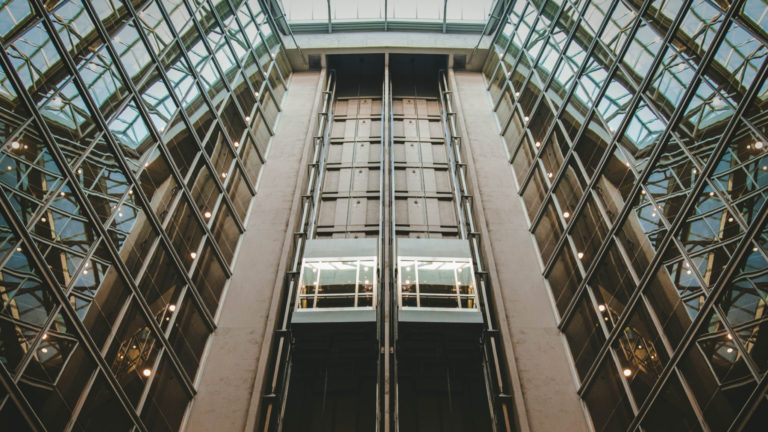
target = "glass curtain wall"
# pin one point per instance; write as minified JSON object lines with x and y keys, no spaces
{"x":133,"y":134}
{"x":637,"y":131}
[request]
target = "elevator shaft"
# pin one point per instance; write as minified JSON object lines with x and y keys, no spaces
{"x":385,"y":323}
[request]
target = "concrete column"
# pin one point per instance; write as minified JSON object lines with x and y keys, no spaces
{"x":229,"y":383}
{"x":544,"y":377}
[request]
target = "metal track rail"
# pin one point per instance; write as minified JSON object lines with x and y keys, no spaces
{"x":499,"y":397}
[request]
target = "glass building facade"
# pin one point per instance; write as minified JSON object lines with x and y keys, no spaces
{"x":133,"y":134}
{"x":637,"y":134}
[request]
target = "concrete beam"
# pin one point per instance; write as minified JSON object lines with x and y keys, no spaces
{"x":229,"y":382}
{"x":546,"y":385}
{"x":388,"y":42}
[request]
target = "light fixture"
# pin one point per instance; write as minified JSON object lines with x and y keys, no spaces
{"x":627,"y":372}
{"x":517,"y":94}
{"x":566,"y":215}
{"x":130,"y":192}
{"x":223,"y":175}
{"x":18,"y":249}
{"x":15,"y":145}
{"x":146,"y":372}
{"x":247,"y":118}
{"x":237,"y":144}
{"x":63,"y":193}
{"x":759,"y":145}
{"x":549,"y":174}
{"x":207,"y":215}
{"x":146,"y":164}
{"x":526,"y":119}
{"x":172,"y":307}
{"x":45,"y":336}
{"x":256,"y":93}
{"x":711,"y":194}
{"x":642,"y":192}
{"x":42,"y":219}
{"x":10,"y":168}
{"x":601,"y":308}
{"x":730,"y":219}
{"x":193,"y":255}
{"x":580,"y":255}
{"x":79,"y":170}
{"x":754,"y":249}
{"x":538,"y":144}
{"x":44,"y":350}
{"x":730,"y":337}
{"x":85,"y":271}
{"x":729,"y":350}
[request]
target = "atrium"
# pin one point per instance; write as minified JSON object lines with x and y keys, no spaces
{"x":384,"y":215}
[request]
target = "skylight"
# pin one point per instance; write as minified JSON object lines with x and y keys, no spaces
{"x":378,"y":11}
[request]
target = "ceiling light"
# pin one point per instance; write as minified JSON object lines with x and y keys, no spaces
{"x":758,"y":145}
{"x":601,"y":308}
{"x":566,"y":215}
{"x":627,"y":372}
{"x":147,"y":372}
{"x":193,"y":255}
{"x":172,"y":307}
{"x":580,"y":255}
{"x":207,"y":215}
{"x":15,"y":145}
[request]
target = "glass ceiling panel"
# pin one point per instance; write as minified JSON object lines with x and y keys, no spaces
{"x":306,"y":10}
{"x":472,"y":11}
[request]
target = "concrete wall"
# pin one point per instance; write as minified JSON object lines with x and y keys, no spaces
{"x":538,"y":354}
{"x":227,"y":396}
